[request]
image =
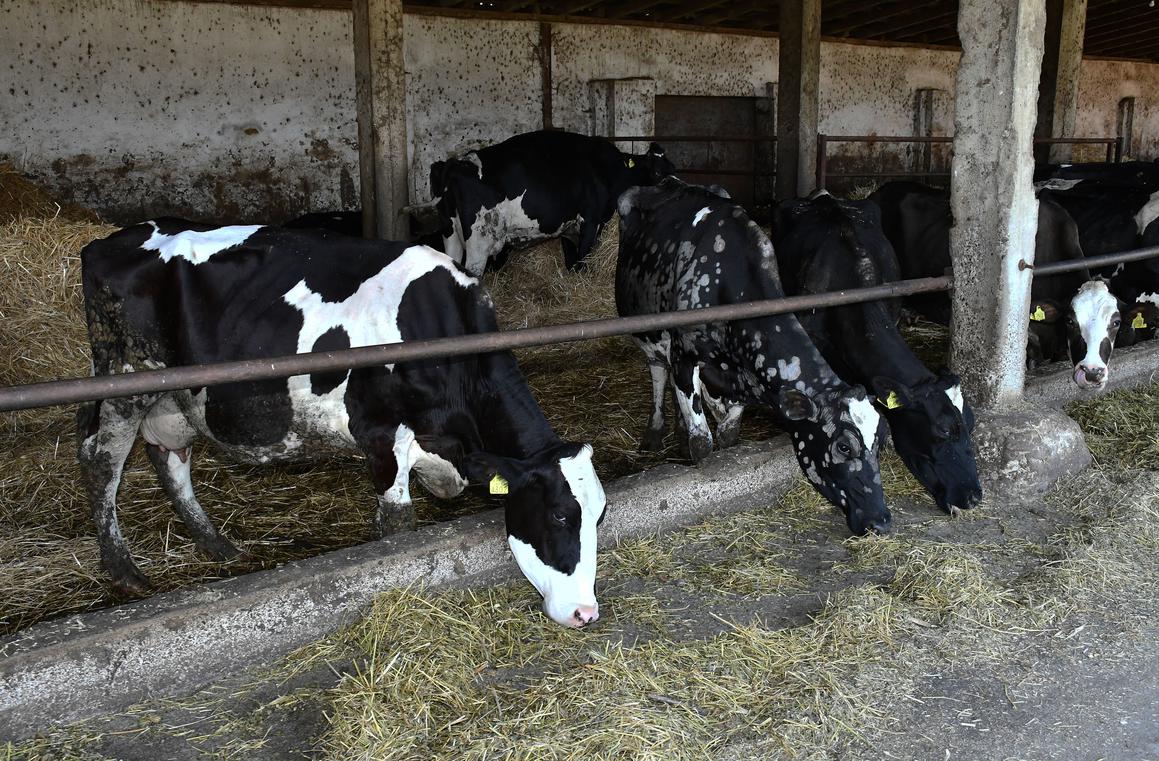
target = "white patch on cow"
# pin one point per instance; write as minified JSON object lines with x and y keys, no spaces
{"x":478,"y":162}
{"x":1150,"y":298}
{"x":1148,"y":213}
{"x":866,"y":420}
{"x":718,"y":243}
{"x":563,"y":593}
{"x":504,"y":223}
{"x":166,"y":426}
{"x":398,"y":493}
{"x":699,"y":216}
{"x":1055,"y":184}
{"x":197,"y":247}
{"x":369,"y":316}
{"x":1093,"y":307}
{"x":955,"y":394}
{"x":790,"y":370}
{"x":697,"y":422}
{"x":436,"y":474}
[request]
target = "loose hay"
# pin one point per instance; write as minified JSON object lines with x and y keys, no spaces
{"x":22,"y":198}
{"x":1121,"y":428}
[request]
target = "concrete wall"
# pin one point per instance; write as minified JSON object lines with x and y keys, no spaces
{"x":232,"y":112}
{"x":205,"y":110}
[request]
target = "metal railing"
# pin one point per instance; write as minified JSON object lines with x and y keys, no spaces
{"x":705,"y":171}
{"x":1113,"y":144}
{"x":73,"y":390}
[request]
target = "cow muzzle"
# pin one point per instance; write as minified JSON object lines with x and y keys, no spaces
{"x":571,"y":615}
{"x":1090,"y":376}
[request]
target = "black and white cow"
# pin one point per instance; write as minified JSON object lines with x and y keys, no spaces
{"x":1068,"y":311}
{"x":169,"y":293}
{"x":546,"y":184}
{"x":684,"y":247}
{"x":1111,"y":217}
{"x":826,"y":245}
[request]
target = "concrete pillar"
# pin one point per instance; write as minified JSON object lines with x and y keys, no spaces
{"x":799,"y":66}
{"x":1066,"y":23}
{"x":995,"y":211}
{"x":380,"y":83}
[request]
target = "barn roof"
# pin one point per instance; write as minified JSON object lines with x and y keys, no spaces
{"x":1115,"y":28}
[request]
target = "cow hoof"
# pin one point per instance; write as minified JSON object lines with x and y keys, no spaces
{"x":131,"y":583}
{"x":699,"y":448}
{"x":653,"y":441}
{"x":223,"y":551}
{"x":727,"y":437}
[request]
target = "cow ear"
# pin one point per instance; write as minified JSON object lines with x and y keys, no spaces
{"x":796,"y":406}
{"x":503,"y":474}
{"x":1142,"y":316}
{"x":1044,"y":310}
{"x":655,"y":150}
{"x":892,"y":394}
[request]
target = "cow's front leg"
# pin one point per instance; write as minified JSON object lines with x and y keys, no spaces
{"x":727,"y":416}
{"x":690,"y":402}
{"x":390,"y":466}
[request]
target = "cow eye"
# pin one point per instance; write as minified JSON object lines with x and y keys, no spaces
{"x":1116,"y":322}
{"x":844,"y":448}
{"x":559,"y":518}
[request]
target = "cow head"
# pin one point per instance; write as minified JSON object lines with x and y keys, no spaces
{"x":648,"y":168}
{"x":1092,"y":324}
{"x":554,"y":502}
{"x":931,"y":425}
{"x":836,"y":435}
{"x":1140,"y":323}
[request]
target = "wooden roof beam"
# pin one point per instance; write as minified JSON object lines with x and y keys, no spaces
{"x":930,"y":23}
{"x":627,"y":9}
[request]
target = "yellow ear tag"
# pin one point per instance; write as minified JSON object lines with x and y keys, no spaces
{"x":498,"y":484}
{"x":631,"y":163}
{"x":1138,"y":322}
{"x":1038,"y":315}
{"x":891,"y":401}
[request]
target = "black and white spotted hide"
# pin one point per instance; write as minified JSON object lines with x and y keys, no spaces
{"x":538,"y":185}
{"x":684,"y":247}
{"x":169,"y":293}
{"x":825,"y":245}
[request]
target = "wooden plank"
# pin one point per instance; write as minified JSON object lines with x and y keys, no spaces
{"x":380,"y":84}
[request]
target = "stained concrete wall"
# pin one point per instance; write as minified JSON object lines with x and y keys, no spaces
{"x":206,"y":110}
{"x":1103,"y":84}
{"x":233,"y":112}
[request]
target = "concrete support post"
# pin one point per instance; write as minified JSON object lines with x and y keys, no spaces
{"x":380,"y":83}
{"x":1066,"y":23}
{"x":995,"y":211}
{"x":799,"y":65}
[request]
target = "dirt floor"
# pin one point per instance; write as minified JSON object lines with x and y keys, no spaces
{"x":1016,"y":631}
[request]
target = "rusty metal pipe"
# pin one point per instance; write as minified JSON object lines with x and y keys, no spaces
{"x":195,"y":376}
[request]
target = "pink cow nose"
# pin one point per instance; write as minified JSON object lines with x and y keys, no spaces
{"x":1094,"y":374}
{"x":585,"y":614}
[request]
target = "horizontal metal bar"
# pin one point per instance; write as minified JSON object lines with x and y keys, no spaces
{"x":1094,"y":262}
{"x":195,"y":376}
{"x":950,"y":139}
{"x":831,"y":175}
{"x":729,"y":172}
{"x":692,"y":139}
{"x":887,"y":139}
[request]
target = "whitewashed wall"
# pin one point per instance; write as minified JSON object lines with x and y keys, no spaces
{"x":218,"y":111}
